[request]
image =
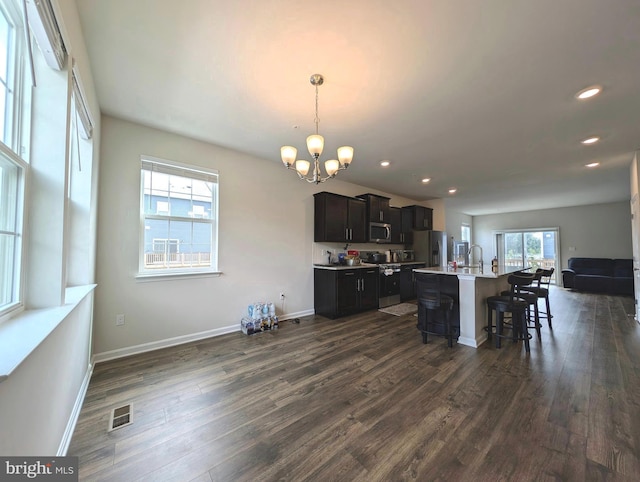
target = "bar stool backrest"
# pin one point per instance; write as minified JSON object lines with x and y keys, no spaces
{"x":545,"y":279}
{"x":517,"y":281}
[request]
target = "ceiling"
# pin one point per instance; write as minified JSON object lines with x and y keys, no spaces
{"x":479,"y":96}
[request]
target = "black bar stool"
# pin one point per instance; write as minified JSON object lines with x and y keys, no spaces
{"x":512,"y":304}
{"x":531,"y":298}
{"x":431,"y":302}
{"x":541,"y":289}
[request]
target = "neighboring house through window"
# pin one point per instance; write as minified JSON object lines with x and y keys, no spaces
{"x":179,"y":211}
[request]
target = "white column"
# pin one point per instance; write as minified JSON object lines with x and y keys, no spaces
{"x":473,"y":306}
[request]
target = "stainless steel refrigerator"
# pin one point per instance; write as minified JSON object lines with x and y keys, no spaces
{"x":431,"y":247}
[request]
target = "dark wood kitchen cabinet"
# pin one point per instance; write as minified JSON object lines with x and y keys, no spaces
{"x":344,"y":292}
{"x":396,"y":225}
{"x":401,"y":226}
{"x":378,"y":209}
{"x":422,"y":217}
{"x":408,"y":281}
{"x":339,"y":219}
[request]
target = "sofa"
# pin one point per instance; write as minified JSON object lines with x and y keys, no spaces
{"x":599,"y":275}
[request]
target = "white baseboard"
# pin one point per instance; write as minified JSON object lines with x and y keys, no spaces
{"x":179,"y":340}
{"x":75,"y":413}
{"x":472,"y":342}
{"x":299,"y":314}
{"x":157,"y":345}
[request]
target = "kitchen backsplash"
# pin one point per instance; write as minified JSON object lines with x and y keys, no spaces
{"x":320,"y":255}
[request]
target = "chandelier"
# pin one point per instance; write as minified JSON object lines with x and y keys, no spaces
{"x":315,"y":144}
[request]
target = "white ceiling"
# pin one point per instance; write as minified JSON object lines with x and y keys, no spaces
{"x":477,"y":95}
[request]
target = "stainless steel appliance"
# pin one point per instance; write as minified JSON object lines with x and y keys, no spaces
{"x":379,"y":233}
{"x":431,"y":247}
{"x":461,"y":253}
{"x":389,"y":285}
{"x":407,"y":255}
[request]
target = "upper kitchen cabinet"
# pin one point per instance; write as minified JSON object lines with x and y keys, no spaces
{"x":422,"y":217}
{"x":396,"y":225}
{"x":378,"y":210}
{"x":339,"y":218}
{"x":401,"y":226}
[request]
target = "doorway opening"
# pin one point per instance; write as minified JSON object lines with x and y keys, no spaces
{"x":530,"y":248}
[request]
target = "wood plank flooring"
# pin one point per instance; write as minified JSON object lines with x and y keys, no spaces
{"x":362,"y":399}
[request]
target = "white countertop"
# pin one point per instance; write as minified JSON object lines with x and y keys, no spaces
{"x":339,"y":267}
{"x":475,"y":272}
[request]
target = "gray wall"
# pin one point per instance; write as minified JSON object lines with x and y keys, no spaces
{"x":598,"y":230}
{"x":265,"y":243}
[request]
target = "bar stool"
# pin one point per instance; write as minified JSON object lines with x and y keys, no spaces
{"x":531,"y":298}
{"x":512,"y":304}
{"x":430,"y":302}
{"x":542,"y":291}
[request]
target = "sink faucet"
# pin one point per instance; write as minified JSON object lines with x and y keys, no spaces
{"x":471,"y":254}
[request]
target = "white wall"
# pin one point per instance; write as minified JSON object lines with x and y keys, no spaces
{"x":598,"y":230}
{"x":266,"y":241}
{"x":39,"y":398}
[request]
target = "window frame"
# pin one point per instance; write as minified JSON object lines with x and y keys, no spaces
{"x":16,"y":302}
{"x":17,"y":117}
{"x":153,"y":164}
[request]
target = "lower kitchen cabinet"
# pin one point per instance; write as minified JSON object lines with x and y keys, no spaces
{"x":408,"y":281}
{"x":344,"y":292}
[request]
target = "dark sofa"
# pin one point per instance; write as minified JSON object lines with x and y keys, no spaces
{"x":599,"y":275}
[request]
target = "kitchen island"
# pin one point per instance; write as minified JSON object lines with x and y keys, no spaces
{"x":474,"y":286}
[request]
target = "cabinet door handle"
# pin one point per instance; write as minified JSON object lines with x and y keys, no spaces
{"x":362,"y":284}
{"x":351,"y":234}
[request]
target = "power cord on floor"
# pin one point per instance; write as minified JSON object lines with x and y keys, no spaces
{"x":294,"y":320}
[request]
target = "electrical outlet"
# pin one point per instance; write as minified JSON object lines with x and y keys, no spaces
{"x":120,"y":319}
{"x":281,"y":295}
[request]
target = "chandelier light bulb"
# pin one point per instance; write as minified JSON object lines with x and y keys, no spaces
{"x":331,"y":166}
{"x":315,"y":144}
{"x":302,"y":167}
{"x":288,"y":154}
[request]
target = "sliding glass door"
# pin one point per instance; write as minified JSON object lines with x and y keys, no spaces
{"x":534,"y":248}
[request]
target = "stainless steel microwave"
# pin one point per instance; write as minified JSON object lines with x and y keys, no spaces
{"x":379,"y":233}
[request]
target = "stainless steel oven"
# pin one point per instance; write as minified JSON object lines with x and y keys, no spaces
{"x":389,"y":285}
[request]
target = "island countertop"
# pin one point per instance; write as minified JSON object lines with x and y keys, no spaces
{"x":471,"y":271}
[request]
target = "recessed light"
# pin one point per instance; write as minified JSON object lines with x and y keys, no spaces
{"x":589,"y":92}
{"x":452,"y":191}
{"x":593,"y":164}
{"x":385,"y":163}
{"x":426,"y":180}
{"x":591,"y":140}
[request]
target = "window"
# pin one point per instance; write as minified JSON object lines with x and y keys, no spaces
{"x":11,"y":206}
{"x":179,"y":213}
{"x":465,"y":233}
{"x":13,"y":169}
{"x":531,"y":248}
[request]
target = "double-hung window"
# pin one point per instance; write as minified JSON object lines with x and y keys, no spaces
{"x":13,"y":169}
{"x":179,"y":218}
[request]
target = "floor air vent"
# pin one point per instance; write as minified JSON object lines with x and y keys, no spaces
{"x":120,"y":417}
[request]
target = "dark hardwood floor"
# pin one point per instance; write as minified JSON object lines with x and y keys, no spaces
{"x":362,"y":399}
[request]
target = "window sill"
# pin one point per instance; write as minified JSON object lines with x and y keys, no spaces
{"x":146,"y":277}
{"x":22,"y":334}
